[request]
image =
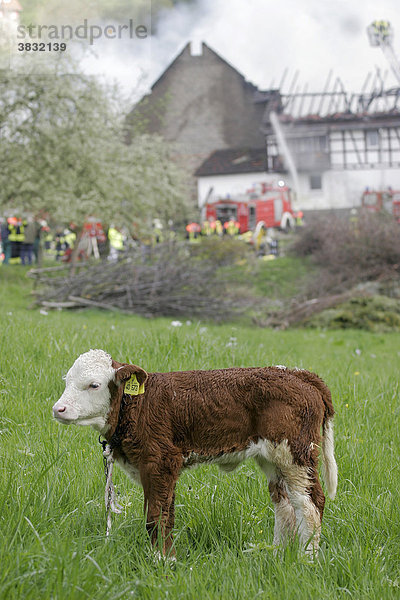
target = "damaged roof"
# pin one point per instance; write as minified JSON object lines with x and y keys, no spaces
{"x":231,"y":161}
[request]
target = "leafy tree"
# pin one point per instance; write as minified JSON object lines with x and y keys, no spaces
{"x":63,"y":153}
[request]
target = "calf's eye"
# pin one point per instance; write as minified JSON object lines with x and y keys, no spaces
{"x":94,"y":386}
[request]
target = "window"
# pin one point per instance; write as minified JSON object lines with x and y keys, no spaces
{"x":310,"y":144}
{"x":321,"y":143}
{"x":316,"y":182}
{"x":372,"y":138}
{"x":252,"y":216}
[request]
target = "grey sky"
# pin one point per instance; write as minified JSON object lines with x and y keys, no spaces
{"x":261,"y":38}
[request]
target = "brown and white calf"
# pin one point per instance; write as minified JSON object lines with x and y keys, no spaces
{"x":274,"y":415}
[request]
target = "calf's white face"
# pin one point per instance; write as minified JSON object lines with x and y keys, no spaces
{"x":86,"y":398}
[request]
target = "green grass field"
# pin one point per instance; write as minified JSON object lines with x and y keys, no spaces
{"x":52,"y":480}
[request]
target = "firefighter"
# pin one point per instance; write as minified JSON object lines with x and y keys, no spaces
{"x":157,"y":232}
{"x":31,"y":229}
{"x":192,"y":232}
{"x":70,"y":238}
{"x":261,"y":239}
{"x":231,"y":227}
{"x":20,"y":237}
{"x":12,"y":236}
{"x":37,"y":244}
{"x":219,"y":230}
{"x":299,"y":219}
{"x":59,"y":239}
{"x":6,"y":244}
{"x":15,"y":237}
{"x":48,"y":240}
{"x":273,"y":243}
{"x":212,"y":223}
{"x":101,"y":239}
{"x":382,"y":28}
{"x":206,"y":228}
{"x":116,"y":240}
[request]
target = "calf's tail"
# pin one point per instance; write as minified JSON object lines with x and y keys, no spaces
{"x":329,"y":466}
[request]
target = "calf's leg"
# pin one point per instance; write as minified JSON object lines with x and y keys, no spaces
{"x":285,"y":517}
{"x":306,"y":496}
{"x":159,"y":496}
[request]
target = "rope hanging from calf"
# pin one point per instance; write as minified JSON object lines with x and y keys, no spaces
{"x":111,"y":504}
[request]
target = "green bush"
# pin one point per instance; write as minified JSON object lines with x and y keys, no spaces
{"x":221,"y":251}
{"x":376,"y":313}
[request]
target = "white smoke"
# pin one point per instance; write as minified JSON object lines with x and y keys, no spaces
{"x":261,"y":39}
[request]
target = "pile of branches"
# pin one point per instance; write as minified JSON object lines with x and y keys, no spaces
{"x":162,"y":281}
{"x":352,"y":258}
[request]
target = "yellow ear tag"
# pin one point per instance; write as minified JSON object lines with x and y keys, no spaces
{"x":133,"y":387}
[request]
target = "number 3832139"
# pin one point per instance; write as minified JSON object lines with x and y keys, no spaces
{"x":42,"y":47}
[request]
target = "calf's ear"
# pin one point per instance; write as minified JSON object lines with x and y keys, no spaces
{"x":124,"y":371}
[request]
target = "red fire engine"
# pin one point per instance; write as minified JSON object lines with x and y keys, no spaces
{"x":264,"y":202}
{"x":382,"y":200}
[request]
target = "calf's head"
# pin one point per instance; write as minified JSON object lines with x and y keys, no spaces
{"x":93,"y":390}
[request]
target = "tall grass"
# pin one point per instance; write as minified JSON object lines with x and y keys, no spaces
{"x":52,"y":482}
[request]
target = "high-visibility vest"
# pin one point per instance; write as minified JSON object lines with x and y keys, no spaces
{"x":16,"y":233}
{"x":12,"y":235}
{"x":116,"y":238}
{"x":20,"y":233}
{"x":218,"y":227}
{"x":261,"y":238}
{"x":206,"y":229}
{"x":70,"y":239}
{"x":231,"y":228}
